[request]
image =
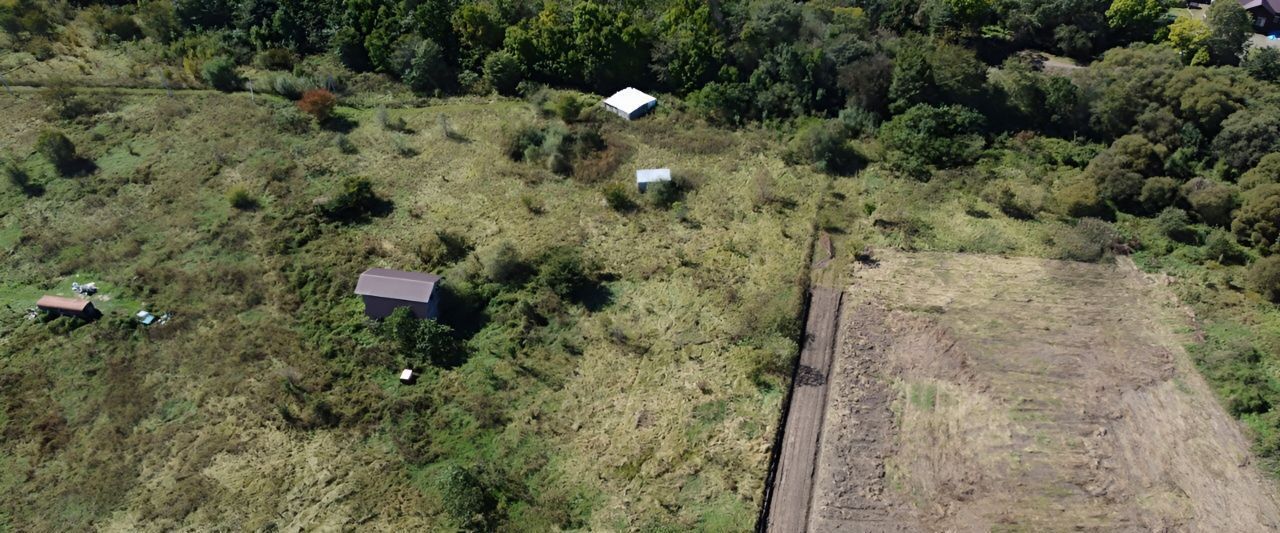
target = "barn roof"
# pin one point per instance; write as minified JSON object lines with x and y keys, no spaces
{"x":650,"y":175}
{"x":629,"y":100}
{"x":63,"y":304}
{"x":397,"y":284}
{"x":1271,"y":6}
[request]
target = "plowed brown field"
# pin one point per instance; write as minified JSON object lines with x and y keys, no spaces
{"x":979,"y":393}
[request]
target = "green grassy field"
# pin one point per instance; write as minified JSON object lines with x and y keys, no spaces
{"x":270,"y":401}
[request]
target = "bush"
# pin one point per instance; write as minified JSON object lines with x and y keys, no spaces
{"x":945,"y":136}
{"x":240,"y":198}
{"x":563,"y":270}
{"x":1212,"y":201}
{"x":121,"y":26}
{"x":662,"y":194}
{"x":19,"y":177}
{"x":1022,"y":201}
{"x":289,"y":119}
{"x":441,"y":247}
{"x":532,"y":204}
{"x":1258,"y":220}
{"x":825,"y":145}
{"x":66,"y":104}
{"x":567,"y":107}
{"x":220,"y":73}
{"x":467,"y":499}
{"x":1266,"y":171}
{"x":355,"y":200}
{"x":1174,"y":224}
{"x":503,"y":71}
{"x":421,"y":342}
{"x":618,"y":196}
{"x":424,"y":68}
{"x":1089,"y":241}
{"x":1263,"y":63}
{"x":1158,"y":193}
{"x":58,"y":149}
{"x":274,"y":59}
{"x":388,"y":123}
{"x":344,"y":144}
{"x":516,"y":144}
{"x":318,"y":103}
{"x":1264,"y":277}
{"x":501,"y":263}
{"x":1221,"y":246}
{"x":1079,"y":198}
{"x":290,"y":86}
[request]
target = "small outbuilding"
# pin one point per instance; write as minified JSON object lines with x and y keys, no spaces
{"x":385,"y":290}
{"x":58,"y":305}
{"x":408,"y":377}
{"x":651,"y":175}
{"x":1265,"y":13}
{"x":630,"y":103}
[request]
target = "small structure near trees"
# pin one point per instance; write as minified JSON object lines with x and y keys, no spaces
{"x":1265,"y":13}
{"x":385,"y":290}
{"x":651,"y":175}
{"x":630,"y":103}
{"x":408,"y":376}
{"x":58,"y":305}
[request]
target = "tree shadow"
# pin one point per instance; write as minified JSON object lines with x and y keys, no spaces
{"x":593,"y":297}
{"x":340,"y":124}
{"x":78,"y":167}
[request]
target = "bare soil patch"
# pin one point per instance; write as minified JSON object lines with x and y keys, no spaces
{"x":978,"y":393}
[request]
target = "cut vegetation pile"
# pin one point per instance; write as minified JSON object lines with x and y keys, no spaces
{"x":613,"y":369}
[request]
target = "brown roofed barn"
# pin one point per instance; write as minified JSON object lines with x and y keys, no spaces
{"x":67,"y":307}
{"x":385,"y":290}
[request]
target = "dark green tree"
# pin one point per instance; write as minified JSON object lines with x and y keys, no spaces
{"x":1258,"y":220}
{"x":1229,"y":28}
{"x":1263,"y":63}
{"x":1247,"y":135}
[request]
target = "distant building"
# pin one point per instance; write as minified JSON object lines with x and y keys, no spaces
{"x":385,"y":290}
{"x":408,"y":377}
{"x":651,"y":175}
{"x":1265,"y":13}
{"x":76,"y":307}
{"x":630,"y":103}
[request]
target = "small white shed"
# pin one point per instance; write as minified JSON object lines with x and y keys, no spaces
{"x":630,"y":103}
{"x":645,"y":176}
{"x":408,"y":377}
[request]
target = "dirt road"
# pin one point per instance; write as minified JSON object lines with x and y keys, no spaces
{"x":977,"y":393}
{"x":793,"y":483}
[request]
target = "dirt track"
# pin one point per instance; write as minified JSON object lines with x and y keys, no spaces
{"x":975,"y":393}
{"x":789,"y":506}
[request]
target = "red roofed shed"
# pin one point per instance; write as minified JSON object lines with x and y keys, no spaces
{"x":67,"y":306}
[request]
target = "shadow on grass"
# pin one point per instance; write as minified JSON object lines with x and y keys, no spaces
{"x":340,"y":124}
{"x":596,"y":296}
{"x":78,"y":167}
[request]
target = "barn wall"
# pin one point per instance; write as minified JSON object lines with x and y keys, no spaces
{"x":376,"y":307}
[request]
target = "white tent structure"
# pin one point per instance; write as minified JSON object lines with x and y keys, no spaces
{"x":651,"y":175}
{"x":630,"y":103}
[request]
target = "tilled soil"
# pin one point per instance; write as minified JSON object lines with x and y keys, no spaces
{"x":977,"y":393}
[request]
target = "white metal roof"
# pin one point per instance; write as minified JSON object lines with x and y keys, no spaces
{"x":406,"y":374}
{"x":629,"y":100}
{"x":650,"y":175}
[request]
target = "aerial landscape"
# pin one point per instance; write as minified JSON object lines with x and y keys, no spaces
{"x":651,"y":266}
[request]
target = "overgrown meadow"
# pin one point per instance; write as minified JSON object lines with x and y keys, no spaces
{"x":620,"y":359}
